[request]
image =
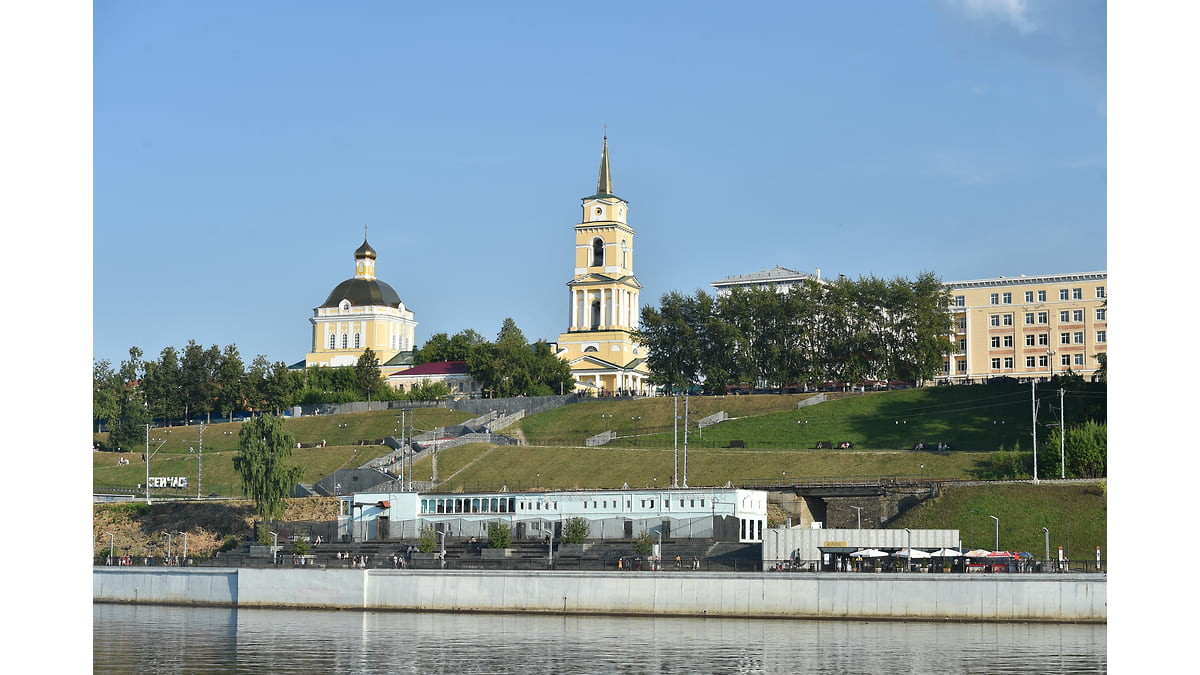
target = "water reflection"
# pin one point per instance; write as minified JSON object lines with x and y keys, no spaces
{"x":136,"y":639}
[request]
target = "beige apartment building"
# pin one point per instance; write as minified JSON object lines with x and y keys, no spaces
{"x":1027,"y":327}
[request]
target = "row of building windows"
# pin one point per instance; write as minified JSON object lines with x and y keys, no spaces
{"x":1040,"y":318}
{"x":511,"y":505}
{"x":1039,"y":339}
{"x":1007,"y":298}
{"x":1040,"y":361}
{"x":1065,"y":360}
{"x":345,"y":341}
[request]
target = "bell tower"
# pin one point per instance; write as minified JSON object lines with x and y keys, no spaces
{"x":604,"y":296}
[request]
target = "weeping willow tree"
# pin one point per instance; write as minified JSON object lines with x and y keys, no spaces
{"x":265,"y":445}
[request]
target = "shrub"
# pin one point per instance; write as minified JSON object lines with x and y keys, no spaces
{"x":576,"y":531}
{"x":499,"y":535}
{"x":228,"y":544}
{"x":300,"y":547}
{"x":644,"y":543}
{"x":428,"y":541}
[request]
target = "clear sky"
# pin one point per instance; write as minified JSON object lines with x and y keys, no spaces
{"x":240,"y":149}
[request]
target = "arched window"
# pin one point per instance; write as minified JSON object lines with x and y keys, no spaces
{"x":357,"y":341}
{"x":332,"y":341}
{"x":624,"y":254}
{"x":590,"y":348}
{"x":597,"y":251}
{"x":345,"y":340}
{"x":596,"y":315}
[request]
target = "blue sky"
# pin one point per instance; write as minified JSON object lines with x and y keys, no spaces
{"x":240,"y":148}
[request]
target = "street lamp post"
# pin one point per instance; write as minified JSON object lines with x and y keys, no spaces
{"x":859,"y":509}
{"x":1047,"y":532}
{"x":168,"y":545}
{"x":184,"y":546}
{"x":803,"y":424}
{"x":908,"y":562}
{"x":275,"y":548}
{"x":110,"y":546}
{"x":997,"y":532}
{"x":635,"y":419}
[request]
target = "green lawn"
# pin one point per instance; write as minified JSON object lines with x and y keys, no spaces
{"x":1079,"y":511}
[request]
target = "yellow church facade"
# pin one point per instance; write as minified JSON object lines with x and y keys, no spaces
{"x":604,"y":297}
{"x":362,"y":313}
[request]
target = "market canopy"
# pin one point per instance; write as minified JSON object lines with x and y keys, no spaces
{"x":947,"y":553}
{"x":914,"y":553}
{"x":869,"y":553}
{"x":977,"y":553}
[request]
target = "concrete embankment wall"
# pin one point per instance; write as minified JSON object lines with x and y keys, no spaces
{"x":991,"y":597}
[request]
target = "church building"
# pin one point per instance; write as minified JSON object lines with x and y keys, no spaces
{"x":362,"y":312}
{"x":604,"y":297}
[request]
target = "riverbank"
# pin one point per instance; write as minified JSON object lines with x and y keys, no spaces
{"x":1071,"y":598}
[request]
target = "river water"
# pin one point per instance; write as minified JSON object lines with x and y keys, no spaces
{"x":160,"y":639}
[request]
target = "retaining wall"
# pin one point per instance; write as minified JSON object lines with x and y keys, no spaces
{"x":996,"y":597}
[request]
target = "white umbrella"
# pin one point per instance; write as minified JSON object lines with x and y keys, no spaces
{"x":947,"y":553}
{"x":869,"y":553}
{"x":914,"y":553}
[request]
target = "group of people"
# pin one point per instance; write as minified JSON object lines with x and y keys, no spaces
{"x":655,"y":563}
{"x":356,"y":560}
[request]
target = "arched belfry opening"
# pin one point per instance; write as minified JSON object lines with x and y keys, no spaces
{"x":595,"y":323}
{"x":597,"y":252}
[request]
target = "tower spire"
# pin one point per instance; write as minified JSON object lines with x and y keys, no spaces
{"x":604,"y":185}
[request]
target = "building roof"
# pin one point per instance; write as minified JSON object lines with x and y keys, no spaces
{"x":436,"y":368}
{"x":363,"y":293}
{"x":778,"y":275}
{"x":1022,"y":280}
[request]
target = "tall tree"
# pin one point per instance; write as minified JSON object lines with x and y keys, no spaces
{"x":162,"y":386}
{"x":670,"y":335}
{"x":367,"y":375}
{"x":280,"y":387}
{"x":197,"y":370}
{"x":231,"y":382}
{"x":106,"y":393}
{"x":129,"y":430}
{"x":264,"y":446}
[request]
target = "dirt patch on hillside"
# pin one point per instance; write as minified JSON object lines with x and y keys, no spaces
{"x":138,"y":530}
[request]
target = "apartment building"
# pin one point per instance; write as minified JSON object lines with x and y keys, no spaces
{"x":1027,"y":327}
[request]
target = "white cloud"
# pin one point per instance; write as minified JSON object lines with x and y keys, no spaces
{"x":1013,"y":12}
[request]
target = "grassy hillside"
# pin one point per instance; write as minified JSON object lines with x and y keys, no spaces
{"x":1079,"y":511}
{"x":341,"y":433}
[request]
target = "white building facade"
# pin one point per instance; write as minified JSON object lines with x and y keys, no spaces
{"x":723,"y":514}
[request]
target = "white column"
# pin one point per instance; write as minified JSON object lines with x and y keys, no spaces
{"x":574,"y":309}
{"x":603,"y":321}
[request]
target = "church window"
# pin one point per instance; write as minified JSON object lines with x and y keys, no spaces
{"x":332,"y":341}
{"x":596,"y":315}
{"x":345,"y":340}
{"x":357,"y":341}
{"x":590,"y":348}
{"x":624,"y":254}
{"x":597,"y":251}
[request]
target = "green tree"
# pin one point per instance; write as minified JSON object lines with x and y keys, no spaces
{"x":436,"y":348}
{"x":671,"y":336}
{"x":1086,"y":451}
{"x":162,"y":386}
{"x":231,"y":382}
{"x":128,"y":431}
{"x":197,"y":378}
{"x":644,"y":543}
{"x":368,"y":376}
{"x":264,"y":446}
{"x":576,"y":531}
{"x":499,"y":535}
{"x":106,"y":392}
{"x":428,"y":391}
{"x":280,"y":387}
{"x":428,"y":540}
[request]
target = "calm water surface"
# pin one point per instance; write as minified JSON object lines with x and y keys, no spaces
{"x":154,"y":639}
